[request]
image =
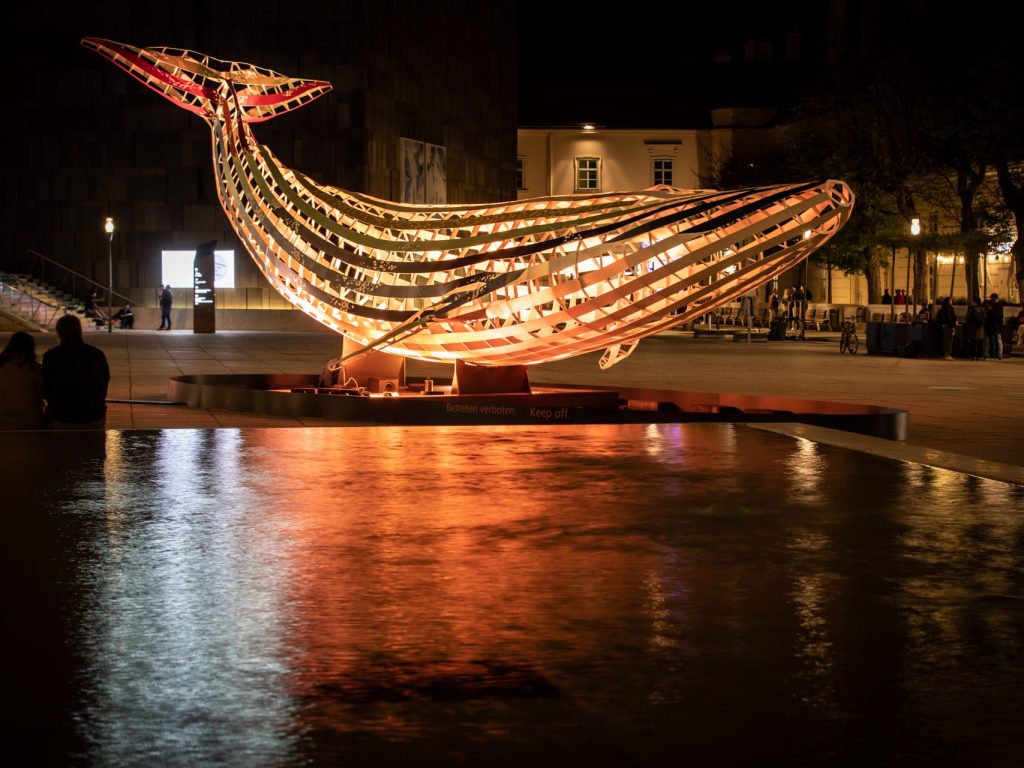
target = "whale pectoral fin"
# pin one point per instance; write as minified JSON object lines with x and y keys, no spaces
{"x":616,"y":353}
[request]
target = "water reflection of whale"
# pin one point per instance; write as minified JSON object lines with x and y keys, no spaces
{"x":509,"y":283}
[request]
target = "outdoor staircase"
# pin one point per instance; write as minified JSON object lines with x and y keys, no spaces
{"x":31,"y":304}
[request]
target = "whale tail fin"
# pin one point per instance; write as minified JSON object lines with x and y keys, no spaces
{"x":199,"y":83}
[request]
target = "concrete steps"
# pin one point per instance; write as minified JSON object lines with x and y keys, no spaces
{"x":34,"y":304}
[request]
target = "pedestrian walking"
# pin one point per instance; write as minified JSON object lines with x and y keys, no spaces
{"x":166,"y":302}
{"x":947,"y":319}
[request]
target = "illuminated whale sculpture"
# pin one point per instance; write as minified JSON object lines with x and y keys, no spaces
{"x":512,"y":283}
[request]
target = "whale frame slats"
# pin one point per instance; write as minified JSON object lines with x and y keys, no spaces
{"x":512,"y":283}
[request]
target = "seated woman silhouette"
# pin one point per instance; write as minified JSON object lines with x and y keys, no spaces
{"x":21,"y":384}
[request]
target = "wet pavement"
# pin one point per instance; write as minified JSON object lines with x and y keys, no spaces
{"x":957,"y":409}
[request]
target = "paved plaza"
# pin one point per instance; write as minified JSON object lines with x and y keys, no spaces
{"x":963,"y":415}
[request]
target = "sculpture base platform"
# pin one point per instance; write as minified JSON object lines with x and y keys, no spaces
{"x":297,"y":396}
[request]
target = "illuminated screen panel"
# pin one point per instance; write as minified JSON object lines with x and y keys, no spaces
{"x":177,"y":268}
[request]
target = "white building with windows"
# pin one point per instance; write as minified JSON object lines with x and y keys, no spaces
{"x":556,"y":161}
{"x":587,"y":158}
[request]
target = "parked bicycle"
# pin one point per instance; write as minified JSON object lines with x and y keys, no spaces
{"x":848,"y":341}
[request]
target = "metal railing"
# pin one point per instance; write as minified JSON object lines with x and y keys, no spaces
{"x":63,"y":278}
{"x":20,"y":299}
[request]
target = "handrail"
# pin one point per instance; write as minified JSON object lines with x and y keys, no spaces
{"x":30,"y":325}
{"x":14,"y":283}
{"x":77,"y":274}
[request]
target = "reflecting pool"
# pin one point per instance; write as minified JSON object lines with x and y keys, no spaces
{"x":607,"y":595}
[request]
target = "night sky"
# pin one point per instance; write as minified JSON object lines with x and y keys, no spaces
{"x":656,"y":67}
{"x":652,"y":65}
{"x":662,"y":65}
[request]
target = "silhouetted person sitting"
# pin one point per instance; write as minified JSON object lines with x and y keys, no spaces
{"x":75,"y":378}
{"x":125,"y":317}
{"x":21,"y":385}
{"x":93,"y":310}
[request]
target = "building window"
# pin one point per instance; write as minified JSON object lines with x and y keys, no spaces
{"x":587,"y":174}
{"x":520,"y":176}
{"x":663,"y":170}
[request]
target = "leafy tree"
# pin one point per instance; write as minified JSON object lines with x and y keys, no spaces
{"x":861,"y":127}
{"x":1002,"y":84}
{"x":973,"y":116}
{"x":924,"y":115}
{"x":1011,"y":184}
{"x":917,"y":119}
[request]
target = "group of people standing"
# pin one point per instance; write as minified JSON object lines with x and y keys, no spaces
{"x":983,"y":329}
{"x":792,"y":304}
{"x":789,"y":311}
{"x":69,"y":389}
{"x":900,"y":299}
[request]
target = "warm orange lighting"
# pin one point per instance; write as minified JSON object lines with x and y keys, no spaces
{"x":513,"y":283}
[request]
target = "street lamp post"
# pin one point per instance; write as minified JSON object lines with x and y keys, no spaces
{"x":915,"y":230}
{"x":108,"y":227}
{"x":952,"y":277}
{"x":892,"y":287}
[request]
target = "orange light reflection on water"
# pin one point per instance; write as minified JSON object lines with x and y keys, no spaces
{"x":427,"y":556}
{"x":293,"y":595}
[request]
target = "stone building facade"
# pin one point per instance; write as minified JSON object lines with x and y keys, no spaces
{"x":86,"y":141}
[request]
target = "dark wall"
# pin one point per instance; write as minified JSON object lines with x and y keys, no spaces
{"x":84,"y":140}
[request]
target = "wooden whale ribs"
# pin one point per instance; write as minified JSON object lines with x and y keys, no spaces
{"x":500,"y":284}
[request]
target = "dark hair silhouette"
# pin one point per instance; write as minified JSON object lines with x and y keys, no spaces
{"x":69,"y":327}
{"x":21,"y":348}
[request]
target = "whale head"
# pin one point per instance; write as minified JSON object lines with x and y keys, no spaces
{"x":201,"y":83}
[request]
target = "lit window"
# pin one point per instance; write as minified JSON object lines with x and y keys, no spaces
{"x":663,"y":170}
{"x":520,"y":177}
{"x":587,"y":174}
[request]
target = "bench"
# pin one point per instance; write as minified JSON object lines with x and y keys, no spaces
{"x":819,"y":316}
